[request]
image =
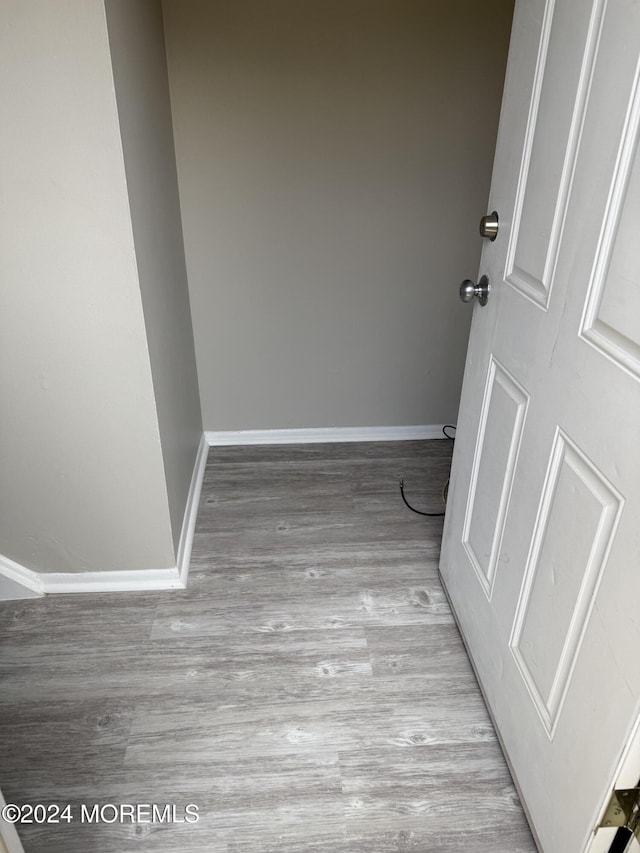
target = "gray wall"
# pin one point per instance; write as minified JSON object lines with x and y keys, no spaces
{"x":142,"y":93}
{"x":334,"y":158}
{"x":82,"y":485}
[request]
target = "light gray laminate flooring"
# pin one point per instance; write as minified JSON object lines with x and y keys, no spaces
{"x":308,"y":692}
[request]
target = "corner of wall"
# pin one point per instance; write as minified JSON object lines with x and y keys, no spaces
{"x":36,"y":584}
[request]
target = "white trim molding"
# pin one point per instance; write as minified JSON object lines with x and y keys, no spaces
{"x":323,"y":435}
{"x":127,"y":580}
{"x":191,"y":511}
{"x":174,"y":577}
{"x":9,"y":838}
{"x":20,"y":574}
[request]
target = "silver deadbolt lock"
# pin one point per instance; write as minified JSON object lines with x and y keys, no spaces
{"x":469,"y":291}
{"x":489,"y":226}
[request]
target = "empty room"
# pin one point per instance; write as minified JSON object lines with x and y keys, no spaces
{"x":320,"y":365}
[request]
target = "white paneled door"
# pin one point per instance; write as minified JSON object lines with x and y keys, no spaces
{"x":541,"y":549}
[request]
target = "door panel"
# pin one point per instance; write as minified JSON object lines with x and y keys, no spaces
{"x":501,"y":421}
{"x":613,"y":304}
{"x":572,"y":537}
{"x":541,"y":551}
{"x":565,"y":54}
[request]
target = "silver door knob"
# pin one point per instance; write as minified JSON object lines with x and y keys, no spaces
{"x":469,"y":290}
{"x":489,"y":226}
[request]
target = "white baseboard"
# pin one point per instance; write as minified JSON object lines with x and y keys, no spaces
{"x":9,"y":839}
{"x":191,"y":511}
{"x":17,"y":573}
{"x":127,"y":580}
{"x":323,"y":435}
{"x":120,"y":581}
{"x":45,"y":582}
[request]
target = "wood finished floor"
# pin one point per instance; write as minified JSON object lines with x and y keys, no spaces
{"x":309,"y":691}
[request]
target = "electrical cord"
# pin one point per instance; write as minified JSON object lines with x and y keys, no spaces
{"x":445,"y":490}
{"x":413,"y":509}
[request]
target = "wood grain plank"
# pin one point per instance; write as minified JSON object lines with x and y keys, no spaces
{"x":319,"y":726}
{"x":309,"y":691}
{"x":281,"y":602}
{"x":347,"y":451}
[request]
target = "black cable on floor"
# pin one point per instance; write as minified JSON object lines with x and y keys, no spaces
{"x":419,"y":512}
{"x":445,"y":490}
